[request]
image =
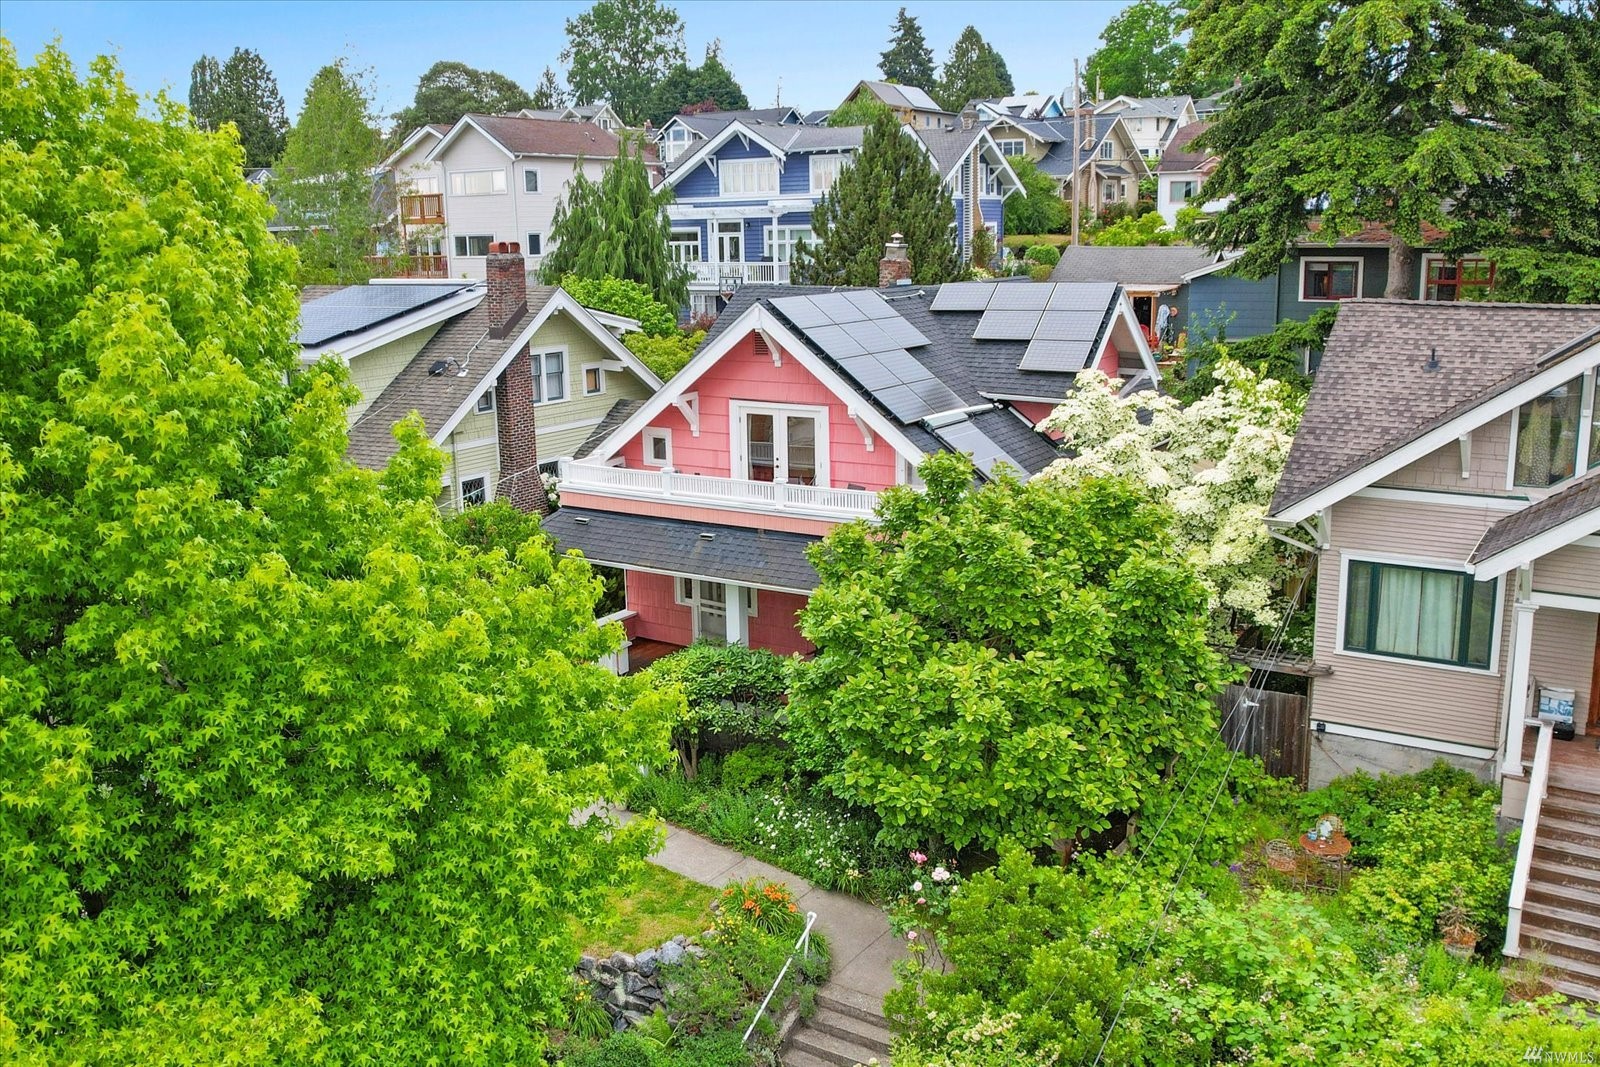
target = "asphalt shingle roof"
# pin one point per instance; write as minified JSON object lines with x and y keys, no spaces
{"x":1373,"y":393}
{"x":615,"y":417}
{"x":548,"y":137}
{"x":1166,"y":107}
{"x":949,"y":146}
{"x":731,"y":553}
{"x":1061,"y":161}
{"x":1088,"y":263}
{"x":1180,"y":157}
{"x":1579,"y":499}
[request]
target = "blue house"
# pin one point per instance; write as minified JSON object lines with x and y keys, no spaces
{"x":744,"y":194}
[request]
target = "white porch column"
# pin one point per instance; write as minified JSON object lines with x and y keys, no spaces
{"x":733,"y":613}
{"x":1520,"y":676}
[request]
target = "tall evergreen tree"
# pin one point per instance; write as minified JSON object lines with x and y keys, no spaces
{"x":618,"y":50}
{"x":617,"y":227}
{"x":685,"y":86}
{"x":244,"y":92}
{"x":973,"y":70}
{"x":448,"y":90}
{"x":548,"y":95}
{"x":908,"y":59}
{"x":889,"y":188}
{"x":323,"y":184}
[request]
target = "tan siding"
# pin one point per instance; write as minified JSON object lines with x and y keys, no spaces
{"x":1574,"y":569}
{"x":1441,"y":470}
{"x":573,"y":419}
{"x":1563,"y":653}
{"x":371,"y":372}
{"x":1395,"y":695}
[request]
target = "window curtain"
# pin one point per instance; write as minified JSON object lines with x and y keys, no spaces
{"x":1547,"y":436}
{"x":1419,"y":613}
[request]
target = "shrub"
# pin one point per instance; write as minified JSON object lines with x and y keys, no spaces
{"x":768,"y":906}
{"x":752,"y":765}
{"x":622,"y":297}
{"x":667,"y":354}
{"x":1369,"y":806}
{"x":734,"y":693}
{"x":1046,"y":254}
{"x":1039,"y":272}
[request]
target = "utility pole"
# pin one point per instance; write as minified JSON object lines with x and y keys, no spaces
{"x":1077,"y":147}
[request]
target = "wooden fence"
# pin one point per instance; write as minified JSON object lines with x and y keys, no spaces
{"x":1278,"y":730}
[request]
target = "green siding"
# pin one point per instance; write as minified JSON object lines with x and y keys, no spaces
{"x":566,"y":424}
{"x":470,"y":462}
{"x":372,"y":371}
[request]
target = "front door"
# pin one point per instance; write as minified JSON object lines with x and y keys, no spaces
{"x":1594,"y":685}
{"x":782,"y":446}
{"x":730,"y":242}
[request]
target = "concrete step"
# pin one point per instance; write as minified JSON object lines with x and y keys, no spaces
{"x":831,"y":1049}
{"x":1579,"y":948}
{"x":1563,"y":916}
{"x":1555,"y":889}
{"x":1553,"y":822}
{"x":1553,"y":872}
{"x":873,"y":1035}
{"x":849,"y":1002}
{"x":794,"y":1057}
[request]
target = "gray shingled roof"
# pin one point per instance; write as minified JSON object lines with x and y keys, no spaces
{"x":1166,"y":107}
{"x":1059,"y":161}
{"x":1167,"y":266}
{"x":949,"y":147}
{"x":1373,"y":393}
{"x":675,"y":546}
{"x":464,"y":339}
{"x":1575,"y":501}
{"x":615,"y":417}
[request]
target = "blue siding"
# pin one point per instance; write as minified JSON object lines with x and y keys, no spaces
{"x":698,"y":184}
{"x":795,"y":177}
{"x":795,"y":218}
{"x":755,"y":239}
{"x":734,"y":148}
{"x":961,"y":226}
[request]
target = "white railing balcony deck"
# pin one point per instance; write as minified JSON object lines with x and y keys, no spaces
{"x":699,"y":490}
{"x":732,"y":275}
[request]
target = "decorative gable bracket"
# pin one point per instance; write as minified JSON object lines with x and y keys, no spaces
{"x":689,"y":405}
{"x":866,"y":431}
{"x":772,"y":346}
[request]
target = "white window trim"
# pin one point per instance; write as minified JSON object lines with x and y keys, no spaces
{"x":651,"y":434}
{"x":843,"y":163}
{"x":481,"y":170}
{"x":1361,"y":278}
{"x":739,"y":411}
{"x":747,"y":165}
{"x":1586,"y":430}
{"x":1346,"y":558}
{"x":468,"y":237}
{"x":479,"y":409}
{"x":749,"y":601}
{"x":600,"y":377}
{"x":1021,"y":145}
{"x":684,"y":238}
{"x":566,"y":374}
{"x":1106,"y":149}
{"x":528,"y":248}
{"x":538,"y":181}
{"x":461,"y":489}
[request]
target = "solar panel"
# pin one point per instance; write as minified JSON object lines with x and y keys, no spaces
{"x":838,"y":309}
{"x":836,"y":341}
{"x":965,"y":437}
{"x":901,"y":333}
{"x":871,"y":305}
{"x":962,"y":296}
{"x":1007,"y":325}
{"x":361,"y":307}
{"x":870,"y":372}
{"x":869,"y":335}
{"x":801,"y":311}
{"x":1082,"y":296}
{"x":908,"y":403}
{"x":1069,"y":326}
{"x":903,"y":366}
{"x":1067,"y":357}
{"x":1020,"y":296}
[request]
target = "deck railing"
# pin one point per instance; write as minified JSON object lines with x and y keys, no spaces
{"x":1538,"y":787}
{"x":733,"y":274}
{"x":419,"y":209}
{"x":669,"y":485}
{"x":415,"y":266}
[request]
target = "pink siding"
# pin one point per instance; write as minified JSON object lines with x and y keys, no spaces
{"x":1108,"y":364}
{"x":1035,"y":413}
{"x":720,"y":516}
{"x":661,"y":617}
{"x":775,"y":625}
{"x":747,"y":375}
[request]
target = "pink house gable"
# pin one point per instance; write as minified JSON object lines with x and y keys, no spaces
{"x":747,"y":373}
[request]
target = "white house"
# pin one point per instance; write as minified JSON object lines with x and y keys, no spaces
{"x":1151,"y":120}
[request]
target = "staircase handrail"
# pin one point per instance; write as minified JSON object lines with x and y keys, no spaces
{"x":802,"y":945}
{"x":1538,"y":788}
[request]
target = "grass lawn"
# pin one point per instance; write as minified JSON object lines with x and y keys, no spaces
{"x":1028,"y":240}
{"x":658,"y":907}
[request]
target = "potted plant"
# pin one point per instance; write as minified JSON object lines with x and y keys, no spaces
{"x":1456,"y":928}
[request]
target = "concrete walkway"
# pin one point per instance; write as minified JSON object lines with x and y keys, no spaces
{"x":864,"y":949}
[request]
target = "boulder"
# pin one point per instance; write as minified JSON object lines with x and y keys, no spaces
{"x":586,"y":965}
{"x":618,"y":997}
{"x":621,"y":961}
{"x":633,"y":981}
{"x":647,"y":961}
{"x":672,"y":952}
{"x":649,"y":993}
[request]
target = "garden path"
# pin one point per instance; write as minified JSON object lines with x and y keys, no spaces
{"x":864,"y":949}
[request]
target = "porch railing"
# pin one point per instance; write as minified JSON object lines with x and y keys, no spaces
{"x":1538,"y":787}
{"x":418,"y":266}
{"x":735,"y":274}
{"x":419,"y":209}
{"x":617,"y":663}
{"x":667,"y":484}
{"x":802,"y":946}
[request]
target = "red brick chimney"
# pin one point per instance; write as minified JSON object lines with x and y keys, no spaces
{"x":520,"y":481}
{"x":895,"y":266}
{"x":507,"y":278}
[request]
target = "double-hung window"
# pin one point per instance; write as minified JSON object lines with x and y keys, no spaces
{"x":825,"y":171}
{"x":1011,"y":148}
{"x":549,"y":377}
{"x":781,"y":241}
{"x":1438,"y":616}
{"x":477,"y":182}
{"x":1330,"y":279}
{"x":748,"y":177}
{"x":1106,"y":149}
{"x":1550,"y":433}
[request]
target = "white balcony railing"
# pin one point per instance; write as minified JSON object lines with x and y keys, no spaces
{"x":810,"y":501}
{"x":732,"y":275}
{"x":1538,"y":788}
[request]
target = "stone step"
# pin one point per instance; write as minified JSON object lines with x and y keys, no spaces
{"x":1557,"y":889}
{"x":873,"y":1035}
{"x":849,"y":1002}
{"x":831,"y":1049}
{"x":1557,"y":823}
{"x":795,"y":1057}
{"x":1579,"y":948}
{"x":1553,"y":872}
{"x":1563,"y":916}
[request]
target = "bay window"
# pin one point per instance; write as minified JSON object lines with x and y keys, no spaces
{"x":1419,"y":613}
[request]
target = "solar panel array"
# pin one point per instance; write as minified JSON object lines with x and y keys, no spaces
{"x":1060,"y":321}
{"x":361,"y":307}
{"x":868,"y":339}
{"x":964,"y":436}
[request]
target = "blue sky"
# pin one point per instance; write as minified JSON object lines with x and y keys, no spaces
{"x":814,"y":50}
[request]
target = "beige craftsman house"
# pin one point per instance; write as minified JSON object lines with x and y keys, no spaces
{"x":1098,"y":157}
{"x":508,"y":378}
{"x":1447,"y":476}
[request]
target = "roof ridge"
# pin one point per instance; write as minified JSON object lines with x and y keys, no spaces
{"x":1466,"y":304}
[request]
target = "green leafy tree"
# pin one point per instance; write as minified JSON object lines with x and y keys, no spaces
{"x":244,"y":92}
{"x":1451,"y":114}
{"x":1017,"y":661}
{"x":548,"y":95}
{"x":1140,"y":52}
{"x":889,"y":188}
{"x":1040,"y":209}
{"x":908,"y":59}
{"x":864,"y":110}
{"x":1134,"y":231}
{"x":323,"y":184}
{"x":448,"y":90}
{"x":622,"y":297}
{"x":685,"y":87}
{"x":617,"y":227}
{"x":972,"y":70}
{"x":666,"y":354}
{"x":289,"y":773}
{"x":618,"y":50}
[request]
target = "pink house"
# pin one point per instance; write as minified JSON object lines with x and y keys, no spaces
{"x":800,"y":407}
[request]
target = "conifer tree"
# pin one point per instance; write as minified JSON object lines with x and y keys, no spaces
{"x":889,"y":188}
{"x":617,"y":227}
{"x":548,"y":94}
{"x":244,"y":92}
{"x":973,"y":71}
{"x":908,"y":60}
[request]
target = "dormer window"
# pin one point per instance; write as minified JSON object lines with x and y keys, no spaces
{"x":1552,"y":435}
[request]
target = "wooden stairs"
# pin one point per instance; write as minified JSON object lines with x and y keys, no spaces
{"x":1561,"y":914}
{"x":848,"y":1029}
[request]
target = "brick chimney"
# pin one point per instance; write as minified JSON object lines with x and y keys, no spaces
{"x":507,"y":278}
{"x":895,"y":266}
{"x":969,"y":117}
{"x":520,"y":482}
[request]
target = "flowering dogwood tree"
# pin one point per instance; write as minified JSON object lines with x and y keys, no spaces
{"x":1215,"y":462}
